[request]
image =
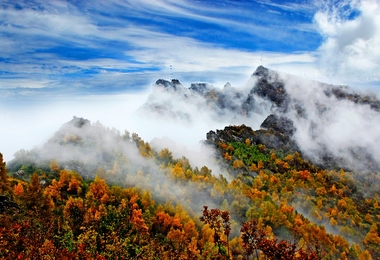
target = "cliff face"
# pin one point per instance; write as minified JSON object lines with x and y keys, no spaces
{"x":272,"y":86}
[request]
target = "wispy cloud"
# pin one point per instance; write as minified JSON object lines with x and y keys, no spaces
{"x":65,"y":45}
{"x":62,"y":50}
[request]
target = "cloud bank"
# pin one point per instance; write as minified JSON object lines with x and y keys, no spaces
{"x":334,"y":124}
{"x":351,"y":31}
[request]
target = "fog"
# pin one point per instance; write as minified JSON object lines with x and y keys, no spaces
{"x":340,"y":127}
{"x":179,"y":120}
{"x":34,"y":126}
{"x":31,"y":123}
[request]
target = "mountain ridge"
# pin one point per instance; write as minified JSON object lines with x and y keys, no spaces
{"x":263,"y":176}
{"x":308,"y":112}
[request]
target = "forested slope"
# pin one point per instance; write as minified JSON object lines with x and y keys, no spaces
{"x":129,"y":201}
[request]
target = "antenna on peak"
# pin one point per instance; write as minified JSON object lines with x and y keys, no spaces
{"x":261,"y":60}
{"x":171,"y":74}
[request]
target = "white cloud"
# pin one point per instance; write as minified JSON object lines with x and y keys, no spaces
{"x":339,"y":126}
{"x":350,"y":51}
{"x":59,"y":23}
{"x":32,"y":123}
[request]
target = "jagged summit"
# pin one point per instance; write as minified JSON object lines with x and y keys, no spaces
{"x":279,"y":124}
{"x":225,"y":104}
{"x":269,"y":86}
{"x":78,"y":122}
{"x":173,"y":84}
{"x":201,"y":88}
{"x":261,"y":71}
{"x":270,"y":138}
{"x":310,"y":113}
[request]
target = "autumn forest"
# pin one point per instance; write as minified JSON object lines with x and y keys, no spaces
{"x":267,"y":204}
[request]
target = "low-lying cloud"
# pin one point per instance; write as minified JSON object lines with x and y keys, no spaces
{"x":178,"y":117}
{"x":333,"y":125}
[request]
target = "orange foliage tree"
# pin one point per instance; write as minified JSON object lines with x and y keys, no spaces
{"x":255,"y":239}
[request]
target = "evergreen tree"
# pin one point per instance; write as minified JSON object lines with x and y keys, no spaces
{"x":5,"y":185}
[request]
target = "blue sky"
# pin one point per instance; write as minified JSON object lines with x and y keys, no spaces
{"x":117,"y":46}
{"x":74,"y":50}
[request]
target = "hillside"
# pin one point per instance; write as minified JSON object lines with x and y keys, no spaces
{"x":325,"y":211}
{"x":91,"y":192}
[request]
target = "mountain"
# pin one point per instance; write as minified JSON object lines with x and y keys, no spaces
{"x":155,"y":200}
{"x":78,"y":145}
{"x":332,"y":125}
{"x":308,"y":173}
{"x":171,"y":100}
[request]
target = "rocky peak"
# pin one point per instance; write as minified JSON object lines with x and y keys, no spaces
{"x":279,"y":124}
{"x":173,"y":84}
{"x":261,"y":71}
{"x":78,"y":122}
{"x":227,"y":86}
{"x":228,"y":101}
{"x":268,"y":86}
{"x":270,"y":138}
{"x":200,"y":88}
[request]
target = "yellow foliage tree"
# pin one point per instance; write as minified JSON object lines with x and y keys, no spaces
{"x":253,"y":167}
{"x":238,"y":164}
{"x":372,"y":236}
{"x":333,"y":222}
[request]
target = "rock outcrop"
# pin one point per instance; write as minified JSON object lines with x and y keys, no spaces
{"x":271,"y":138}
